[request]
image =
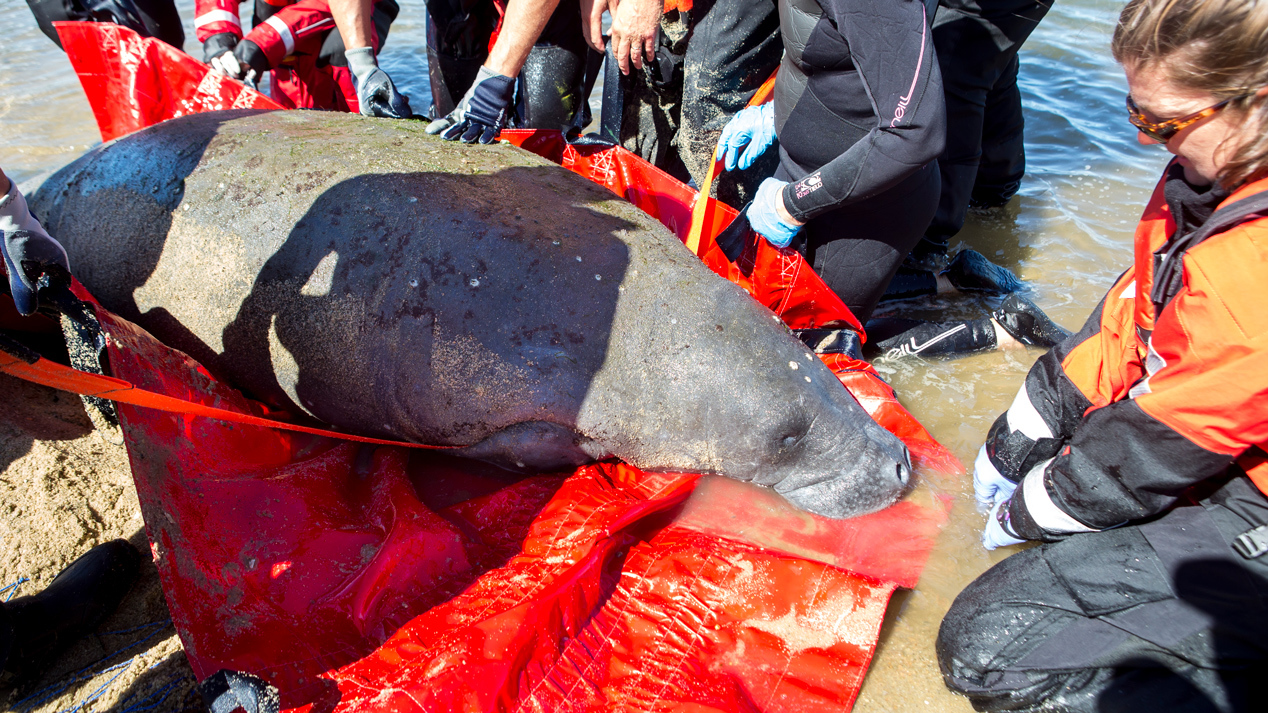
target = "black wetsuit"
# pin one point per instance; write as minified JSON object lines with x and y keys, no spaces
{"x":150,"y":18}
{"x":860,"y":119}
{"x":984,"y":161}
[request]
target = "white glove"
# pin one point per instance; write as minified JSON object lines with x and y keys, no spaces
{"x":228,"y":65}
{"x":996,"y":534}
{"x":989,"y":487}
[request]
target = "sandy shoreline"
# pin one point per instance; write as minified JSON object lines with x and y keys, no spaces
{"x":63,"y":490}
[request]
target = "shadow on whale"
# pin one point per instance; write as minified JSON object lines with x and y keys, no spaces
{"x":364,"y":275}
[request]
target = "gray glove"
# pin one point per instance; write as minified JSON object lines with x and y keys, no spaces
{"x":482,"y":111}
{"x":28,"y":251}
{"x":375,"y":92}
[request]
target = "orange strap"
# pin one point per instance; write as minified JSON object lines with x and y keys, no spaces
{"x":703,"y":206}
{"x":1256,"y":466}
{"x":51,"y":374}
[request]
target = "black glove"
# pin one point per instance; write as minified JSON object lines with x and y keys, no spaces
{"x":481,"y":113}
{"x":375,"y":92}
{"x":217,"y":45}
{"x":251,"y":58}
{"x":28,"y":251}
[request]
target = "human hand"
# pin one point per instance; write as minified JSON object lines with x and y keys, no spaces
{"x":768,"y":216}
{"x":989,"y":486}
{"x":376,"y":93}
{"x":482,"y":111}
{"x":635,"y":28}
{"x":998,"y":531}
{"x":747,"y":135}
{"x":592,"y":23}
{"x":218,"y":44}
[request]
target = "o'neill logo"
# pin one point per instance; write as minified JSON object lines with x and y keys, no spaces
{"x":808,"y":185}
{"x":901,"y":109}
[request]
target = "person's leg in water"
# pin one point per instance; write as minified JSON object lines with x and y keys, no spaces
{"x":549,"y":85}
{"x":1017,"y":323}
{"x":36,"y":629}
{"x":652,"y":99}
{"x":977,"y":43}
{"x":458,"y":33}
{"x":1003,"y":160}
{"x":1158,"y":616}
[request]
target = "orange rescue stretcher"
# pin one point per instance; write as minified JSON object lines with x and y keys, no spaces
{"x":362,"y":575}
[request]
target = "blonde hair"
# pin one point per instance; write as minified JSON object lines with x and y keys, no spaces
{"x":1214,"y":46}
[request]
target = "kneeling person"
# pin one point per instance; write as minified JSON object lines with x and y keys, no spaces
{"x":1135,"y":450}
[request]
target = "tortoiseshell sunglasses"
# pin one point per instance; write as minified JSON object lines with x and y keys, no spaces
{"x":1164,"y":130}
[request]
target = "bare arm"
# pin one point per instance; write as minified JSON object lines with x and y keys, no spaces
{"x":352,"y":17}
{"x":523,"y":24}
{"x":4,"y":182}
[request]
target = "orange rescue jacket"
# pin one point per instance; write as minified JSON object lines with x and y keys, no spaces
{"x":1160,"y":390}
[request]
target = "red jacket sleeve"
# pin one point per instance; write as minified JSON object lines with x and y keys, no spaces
{"x":212,"y":17}
{"x":288,"y":28}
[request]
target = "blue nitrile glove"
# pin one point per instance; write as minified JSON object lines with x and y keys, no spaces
{"x":375,"y":92}
{"x":989,"y":487}
{"x":747,"y":135}
{"x":998,"y":532}
{"x":482,"y":111}
{"x":28,"y":250}
{"x":764,"y":217}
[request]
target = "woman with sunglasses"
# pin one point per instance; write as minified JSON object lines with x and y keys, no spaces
{"x":1135,"y":448}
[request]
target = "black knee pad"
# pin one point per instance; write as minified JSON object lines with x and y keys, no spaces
{"x":549,"y":88}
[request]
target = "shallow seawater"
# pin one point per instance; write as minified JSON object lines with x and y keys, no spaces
{"x":1067,"y":233}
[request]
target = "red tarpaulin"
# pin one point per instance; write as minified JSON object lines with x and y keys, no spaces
{"x":362,"y":577}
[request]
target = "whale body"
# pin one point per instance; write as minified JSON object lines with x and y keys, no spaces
{"x":362,"y":274}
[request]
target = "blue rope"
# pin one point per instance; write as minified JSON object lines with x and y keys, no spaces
{"x":153,"y":700}
{"x":49,"y":692}
{"x":13,"y":588}
{"x":121,"y":667}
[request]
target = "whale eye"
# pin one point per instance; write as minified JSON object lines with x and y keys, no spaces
{"x":790,"y":441}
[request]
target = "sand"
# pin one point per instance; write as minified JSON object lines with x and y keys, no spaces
{"x":65,"y":489}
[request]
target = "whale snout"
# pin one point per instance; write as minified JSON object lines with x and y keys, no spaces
{"x":853,"y":470}
{"x":904,"y":471}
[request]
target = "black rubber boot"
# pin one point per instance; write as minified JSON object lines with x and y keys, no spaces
{"x":895,"y":337}
{"x":1028,"y":324}
{"x":970,"y":271}
{"x":74,"y":604}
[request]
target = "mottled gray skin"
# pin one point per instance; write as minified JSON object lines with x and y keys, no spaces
{"x":395,"y":285}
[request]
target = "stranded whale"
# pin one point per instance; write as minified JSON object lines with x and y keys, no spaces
{"x":395,"y":285}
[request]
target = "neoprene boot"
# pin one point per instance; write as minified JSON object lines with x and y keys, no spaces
{"x":895,"y":337}
{"x":898,"y":337}
{"x":970,"y":271}
{"x":77,"y":601}
{"x":1028,"y":324}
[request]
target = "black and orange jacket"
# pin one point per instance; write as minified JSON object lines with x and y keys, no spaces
{"x":1165,"y":386}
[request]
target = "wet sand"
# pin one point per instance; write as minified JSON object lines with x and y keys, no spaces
{"x":1067,"y":233}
